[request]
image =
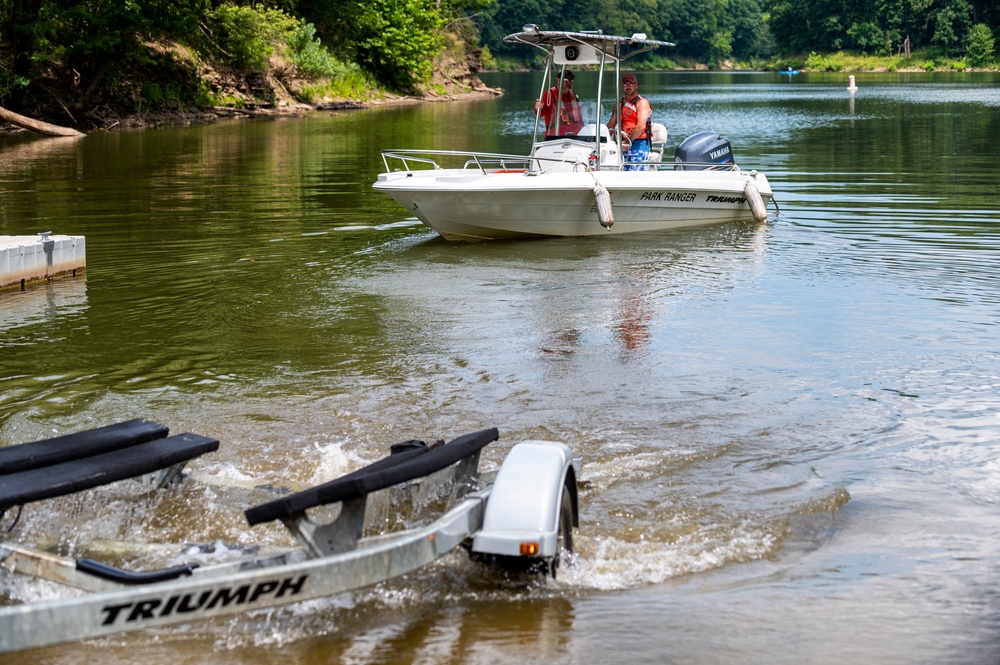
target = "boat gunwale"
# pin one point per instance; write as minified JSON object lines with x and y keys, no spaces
{"x":406,"y":155}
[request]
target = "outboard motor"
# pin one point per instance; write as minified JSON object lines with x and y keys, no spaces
{"x":710,"y":149}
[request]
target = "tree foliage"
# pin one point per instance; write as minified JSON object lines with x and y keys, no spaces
{"x":878,"y":26}
{"x":714,"y":30}
{"x":951,"y":25}
{"x":395,"y":40}
{"x":247,"y":35}
{"x":85,"y":48}
{"x":89,"y":49}
{"x":981,"y":46}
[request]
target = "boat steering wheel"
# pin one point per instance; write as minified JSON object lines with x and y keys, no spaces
{"x":626,"y":141}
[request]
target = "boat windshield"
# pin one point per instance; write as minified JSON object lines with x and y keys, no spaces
{"x":586,"y":117}
{"x":588,"y":132}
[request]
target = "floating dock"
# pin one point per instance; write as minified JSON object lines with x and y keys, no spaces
{"x":39,"y":258}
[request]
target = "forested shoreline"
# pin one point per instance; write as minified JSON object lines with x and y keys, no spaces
{"x":774,"y":34}
{"x":94,"y":62}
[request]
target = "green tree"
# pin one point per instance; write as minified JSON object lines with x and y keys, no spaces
{"x":745,"y":22}
{"x":623,"y":17}
{"x":246,"y":36}
{"x":867,"y":36}
{"x":806,"y":25}
{"x":89,"y":42}
{"x":980,"y":47}
{"x":396,"y":41}
{"x":788,"y":22}
{"x":951,"y":24}
{"x":85,"y":43}
{"x":699,"y":28}
{"x":19,"y":30}
{"x":509,"y":16}
{"x":890,"y":15}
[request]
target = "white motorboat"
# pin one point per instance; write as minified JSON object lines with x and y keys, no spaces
{"x":576,"y":185}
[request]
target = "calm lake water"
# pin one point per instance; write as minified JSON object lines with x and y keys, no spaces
{"x":789,"y":430}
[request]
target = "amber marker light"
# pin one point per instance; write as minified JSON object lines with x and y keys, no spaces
{"x":529,"y":549}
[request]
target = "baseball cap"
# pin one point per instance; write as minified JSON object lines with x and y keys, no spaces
{"x":629,"y":78}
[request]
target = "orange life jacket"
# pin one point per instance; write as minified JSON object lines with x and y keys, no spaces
{"x":630,"y":116}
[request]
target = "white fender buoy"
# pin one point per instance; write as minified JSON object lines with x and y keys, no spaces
{"x":755,"y":200}
{"x":851,"y":86}
{"x":603,"y":199}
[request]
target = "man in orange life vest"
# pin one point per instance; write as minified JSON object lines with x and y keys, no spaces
{"x":636,"y":116}
{"x":570,"y":116}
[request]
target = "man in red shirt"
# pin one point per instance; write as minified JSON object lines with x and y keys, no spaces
{"x":561,"y":119}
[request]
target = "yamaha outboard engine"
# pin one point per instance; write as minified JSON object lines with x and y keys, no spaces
{"x":704,"y":150}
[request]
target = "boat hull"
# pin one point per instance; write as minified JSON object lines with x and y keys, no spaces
{"x":463,"y":204}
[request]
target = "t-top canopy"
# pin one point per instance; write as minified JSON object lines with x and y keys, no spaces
{"x":531,"y":34}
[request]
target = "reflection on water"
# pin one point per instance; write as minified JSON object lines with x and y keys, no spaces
{"x":44,"y":303}
{"x":797,"y":414}
{"x":477,"y":630}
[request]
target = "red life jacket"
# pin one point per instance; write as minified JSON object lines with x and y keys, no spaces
{"x":570,"y":115}
{"x":630,"y":116}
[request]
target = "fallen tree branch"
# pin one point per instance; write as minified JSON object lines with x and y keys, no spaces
{"x":37,"y":125}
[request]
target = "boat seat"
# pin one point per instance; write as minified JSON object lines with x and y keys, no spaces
{"x":82,"y":472}
{"x":657,"y":142}
{"x":409,"y":461}
{"x":659,"y":133}
{"x":47,"y":452}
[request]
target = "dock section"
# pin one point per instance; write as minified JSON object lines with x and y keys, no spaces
{"x":38,"y":258}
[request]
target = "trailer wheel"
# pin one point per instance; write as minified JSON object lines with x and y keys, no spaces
{"x":564,"y":542}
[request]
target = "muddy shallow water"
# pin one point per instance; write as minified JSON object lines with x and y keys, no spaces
{"x":788,"y":429}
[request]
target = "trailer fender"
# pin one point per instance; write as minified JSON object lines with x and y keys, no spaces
{"x":525,"y":502}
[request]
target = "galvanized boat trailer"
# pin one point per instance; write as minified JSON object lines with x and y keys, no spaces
{"x":523,"y":519}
